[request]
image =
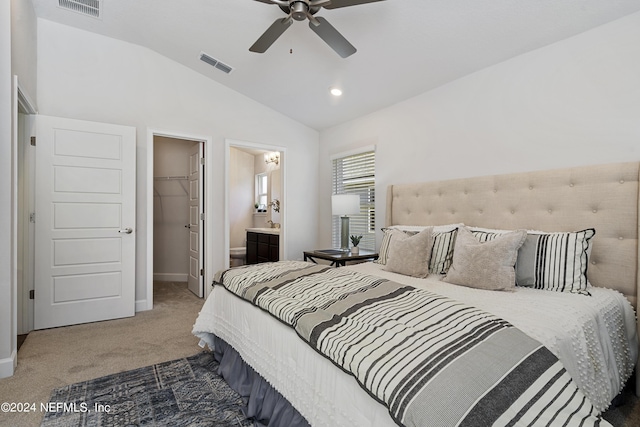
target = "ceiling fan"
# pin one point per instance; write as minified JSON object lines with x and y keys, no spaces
{"x":300,"y":10}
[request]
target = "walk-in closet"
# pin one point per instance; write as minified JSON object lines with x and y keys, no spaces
{"x":177,"y":226}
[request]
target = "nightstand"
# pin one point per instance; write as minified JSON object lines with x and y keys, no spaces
{"x":337,"y":257}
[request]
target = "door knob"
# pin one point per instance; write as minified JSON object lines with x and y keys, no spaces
{"x":188,"y":226}
{"x":128,"y":230}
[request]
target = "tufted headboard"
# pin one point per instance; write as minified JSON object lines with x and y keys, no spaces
{"x":604,"y":197}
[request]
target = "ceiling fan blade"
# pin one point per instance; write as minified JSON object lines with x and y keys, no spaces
{"x":344,"y":3}
{"x":271,"y":35}
{"x":332,"y":37}
{"x":318,"y":3}
{"x":283,"y":4}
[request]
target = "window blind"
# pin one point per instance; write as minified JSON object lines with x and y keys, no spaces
{"x":355,"y":174}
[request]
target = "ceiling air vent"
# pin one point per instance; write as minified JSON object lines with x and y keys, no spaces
{"x":215,"y":63}
{"x":86,"y":7}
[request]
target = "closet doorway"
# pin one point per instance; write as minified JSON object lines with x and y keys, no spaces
{"x":178,"y":206}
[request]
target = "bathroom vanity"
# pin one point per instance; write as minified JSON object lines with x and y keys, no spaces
{"x":263,"y":245}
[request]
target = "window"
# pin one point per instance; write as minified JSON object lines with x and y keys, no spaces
{"x":355,"y":174}
{"x":261,"y":191}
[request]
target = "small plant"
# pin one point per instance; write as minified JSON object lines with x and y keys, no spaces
{"x":355,"y":240}
{"x":275,"y":204}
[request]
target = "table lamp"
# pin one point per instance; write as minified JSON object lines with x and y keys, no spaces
{"x":343,"y":205}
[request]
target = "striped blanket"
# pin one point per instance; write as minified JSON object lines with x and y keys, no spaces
{"x":431,"y":360}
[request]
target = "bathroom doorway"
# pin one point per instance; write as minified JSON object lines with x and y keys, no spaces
{"x":254,"y":193}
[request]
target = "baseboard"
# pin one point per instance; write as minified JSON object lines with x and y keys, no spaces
{"x":170,"y":277}
{"x":8,"y":365}
{"x":141,"y":305}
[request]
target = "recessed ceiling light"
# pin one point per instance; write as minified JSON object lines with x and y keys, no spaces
{"x":336,"y":91}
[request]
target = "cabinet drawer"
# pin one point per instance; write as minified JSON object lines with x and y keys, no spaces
{"x":262,"y":247}
{"x":274,"y":253}
{"x":263,"y":250}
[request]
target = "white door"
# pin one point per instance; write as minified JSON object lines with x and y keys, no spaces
{"x":196,"y":274}
{"x":85,"y":222}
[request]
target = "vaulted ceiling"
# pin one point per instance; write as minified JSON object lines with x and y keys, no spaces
{"x":404,"y":47}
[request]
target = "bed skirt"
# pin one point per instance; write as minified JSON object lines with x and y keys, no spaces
{"x":264,"y":403}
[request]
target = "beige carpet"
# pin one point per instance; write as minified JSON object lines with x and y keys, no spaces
{"x":56,"y":357}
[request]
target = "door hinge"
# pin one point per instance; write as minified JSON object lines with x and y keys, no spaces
{"x":202,"y":216}
{"x":33,"y":141}
{"x":32,"y":294}
{"x":202,"y":271}
{"x":32,"y":217}
{"x":202,"y":160}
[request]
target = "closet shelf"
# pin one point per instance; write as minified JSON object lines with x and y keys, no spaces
{"x":170,"y":178}
{"x":168,"y":190}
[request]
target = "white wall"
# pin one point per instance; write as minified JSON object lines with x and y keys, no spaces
{"x":23,"y":46}
{"x":572,"y":103}
{"x":241,"y":195}
{"x":91,"y":77}
{"x":7,"y":275}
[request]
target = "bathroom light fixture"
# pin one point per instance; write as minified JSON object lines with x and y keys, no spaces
{"x":335,"y":91}
{"x":343,"y":205}
{"x":272,"y":157}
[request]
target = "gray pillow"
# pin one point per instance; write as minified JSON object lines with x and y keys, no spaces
{"x":389,"y":233}
{"x":555,"y":261}
{"x":485,"y":265}
{"x":410,"y":254}
{"x":441,"y":251}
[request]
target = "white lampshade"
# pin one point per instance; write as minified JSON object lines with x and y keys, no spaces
{"x":345,"y":204}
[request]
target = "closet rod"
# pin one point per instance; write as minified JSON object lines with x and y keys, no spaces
{"x":170,"y":178}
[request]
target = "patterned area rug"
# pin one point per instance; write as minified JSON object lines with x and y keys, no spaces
{"x":183,"y":392}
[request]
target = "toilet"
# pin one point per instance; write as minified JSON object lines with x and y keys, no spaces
{"x":237,"y":256}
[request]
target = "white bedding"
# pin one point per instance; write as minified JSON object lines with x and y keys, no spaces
{"x":579,"y":330}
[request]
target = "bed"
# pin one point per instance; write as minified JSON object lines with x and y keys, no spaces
{"x":592,"y":331}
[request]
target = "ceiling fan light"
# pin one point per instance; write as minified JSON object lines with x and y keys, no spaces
{"x":335,"y":91}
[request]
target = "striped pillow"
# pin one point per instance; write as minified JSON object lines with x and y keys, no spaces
{"x":486,"y":234}
{"x":555,"y":261}
{"x":550,"y":261}
{"x":442,"y":251}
